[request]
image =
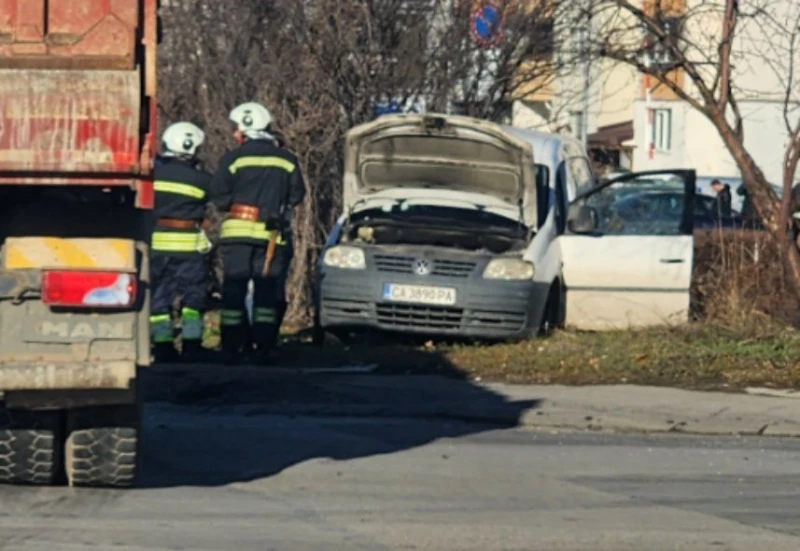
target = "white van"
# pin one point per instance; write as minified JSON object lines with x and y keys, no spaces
{"x":455,"y":226}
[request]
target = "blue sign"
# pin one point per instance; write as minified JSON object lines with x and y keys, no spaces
{"x":385,"y":109}
{"x":487,"y":24}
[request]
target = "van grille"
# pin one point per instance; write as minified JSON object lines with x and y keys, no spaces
{"x":419,"y":317}
{"x":405,"y":265}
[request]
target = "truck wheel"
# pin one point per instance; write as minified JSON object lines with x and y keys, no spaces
{"x":30,"y":447}
{"x":102,"y":447}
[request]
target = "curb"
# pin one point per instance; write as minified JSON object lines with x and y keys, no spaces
{"x":615,"y":408}
{"x":544,"y":418}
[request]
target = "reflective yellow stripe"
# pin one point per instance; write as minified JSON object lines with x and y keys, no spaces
{"x":247,"y":229}
{"x":178,"y":242}
{"x":232,"y":317}
{"x":265,"y":315}
{"x":179,"y":189}
{"x":261,"y":162}
{"x":77,"y":253}
{"x":161,"y":328}
{"x":190,"y":314}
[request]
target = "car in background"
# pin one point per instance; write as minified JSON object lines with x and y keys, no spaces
{"x":650,"y":199}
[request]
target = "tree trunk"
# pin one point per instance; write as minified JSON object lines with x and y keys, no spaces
{"x":765,"y":201}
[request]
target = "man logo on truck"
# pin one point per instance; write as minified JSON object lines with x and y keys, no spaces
{"x":85,"y":330}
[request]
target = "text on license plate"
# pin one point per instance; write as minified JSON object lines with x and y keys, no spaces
{"x":442,"y":296}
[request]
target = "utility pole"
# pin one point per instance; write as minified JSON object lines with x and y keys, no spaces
{"x":586,"y":50}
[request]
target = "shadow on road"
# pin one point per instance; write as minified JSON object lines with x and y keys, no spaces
{"x":214,"y":425}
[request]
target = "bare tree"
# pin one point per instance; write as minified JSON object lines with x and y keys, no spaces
{"x":707,"y":53}
{"x":322,"y":66}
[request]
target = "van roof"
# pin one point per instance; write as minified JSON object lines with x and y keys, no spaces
{"x":546,"y":146}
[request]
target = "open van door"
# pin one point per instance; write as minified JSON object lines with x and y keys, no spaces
{"x":628,"y":251}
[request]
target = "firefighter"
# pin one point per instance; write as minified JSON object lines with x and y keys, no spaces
{"x":179,"y":244}
{"x":258,"y":185}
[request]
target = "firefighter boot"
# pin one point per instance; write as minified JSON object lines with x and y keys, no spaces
{"x":164,"y":352}
{"x":194,"y":352}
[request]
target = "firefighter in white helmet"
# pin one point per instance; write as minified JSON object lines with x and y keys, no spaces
{"x":258,"y":184}
{"x":178,"y":264}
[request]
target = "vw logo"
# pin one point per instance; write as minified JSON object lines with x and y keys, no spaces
{"x":422,"y":267}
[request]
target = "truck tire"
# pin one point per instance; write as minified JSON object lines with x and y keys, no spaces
{"x":102,"y":446}
{"x":30,"y":447}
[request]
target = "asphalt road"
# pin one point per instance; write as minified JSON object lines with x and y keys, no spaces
{"x":216,"y":481}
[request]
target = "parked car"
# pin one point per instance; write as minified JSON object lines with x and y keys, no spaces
{"x":455,"y":226}
{"x":651,"y":204}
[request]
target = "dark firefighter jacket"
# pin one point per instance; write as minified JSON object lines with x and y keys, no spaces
{"x":724,"y":202}
{"x":262,"y":175}
{"x":181,"y":192}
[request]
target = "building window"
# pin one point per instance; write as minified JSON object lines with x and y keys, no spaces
{"x":661,"y":129}
{"x":657,"y":52}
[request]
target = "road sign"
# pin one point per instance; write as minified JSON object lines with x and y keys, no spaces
{"x":486,"y":23}
{"x":388,"y":108}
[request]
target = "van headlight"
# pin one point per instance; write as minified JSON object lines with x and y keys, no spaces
{"x":509,"y":269}
{"x":344,"y":257}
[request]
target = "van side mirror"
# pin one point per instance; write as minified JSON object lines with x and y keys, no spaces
{"x":582,"y":219}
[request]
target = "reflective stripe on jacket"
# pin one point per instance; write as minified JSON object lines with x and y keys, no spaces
{"x":247,"y":229}
{"x":179,"y":242}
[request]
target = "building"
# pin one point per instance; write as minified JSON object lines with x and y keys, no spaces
{"x":635,"y":123}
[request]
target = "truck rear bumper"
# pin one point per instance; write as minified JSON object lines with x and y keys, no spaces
{"x":112,"y":375}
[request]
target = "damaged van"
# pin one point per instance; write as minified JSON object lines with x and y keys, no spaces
{"x":455,"y":226}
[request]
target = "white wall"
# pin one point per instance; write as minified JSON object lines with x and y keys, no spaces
{"x":696,"y":143}
{"x":530,"y":117}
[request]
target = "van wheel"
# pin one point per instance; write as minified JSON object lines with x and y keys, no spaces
{"x":102,"y":448}
{"x":554,"y":311}
{"x":30,"y":447}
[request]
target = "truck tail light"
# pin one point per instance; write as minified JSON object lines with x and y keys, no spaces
{"x":88,"y":289}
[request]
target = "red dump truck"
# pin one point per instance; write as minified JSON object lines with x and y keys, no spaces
{"x":77,"y":145}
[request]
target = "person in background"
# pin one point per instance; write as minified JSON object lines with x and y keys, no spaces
{"x":179,"y":244}
{"x":794,"y":212}
{"x":258,"y":184}
{"x":724,"y":198}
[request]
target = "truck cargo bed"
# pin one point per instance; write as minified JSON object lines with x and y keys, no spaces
{"x":77,"y":91}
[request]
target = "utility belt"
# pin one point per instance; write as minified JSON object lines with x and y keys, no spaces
{"x":244,"y":222}
{"x":177,"y":223}
{"x":180,"y":241}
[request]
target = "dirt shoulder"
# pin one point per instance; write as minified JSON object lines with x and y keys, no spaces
{"x":698,"y":356}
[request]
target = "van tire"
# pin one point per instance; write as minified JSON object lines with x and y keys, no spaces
{"x":30,"y":447}
{"x":554,"y":311}
{"x":102,"y":448}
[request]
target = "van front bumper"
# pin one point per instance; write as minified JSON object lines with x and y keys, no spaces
{"x":484,"y":309}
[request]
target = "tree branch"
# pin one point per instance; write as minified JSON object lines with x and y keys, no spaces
{"x":724,"y":72}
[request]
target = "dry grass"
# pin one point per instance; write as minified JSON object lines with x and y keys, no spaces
{"x":739,"y":280}
{"x":742,"y":336}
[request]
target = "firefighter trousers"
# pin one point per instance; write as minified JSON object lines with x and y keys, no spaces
{"x":242,"y":263}
{"x":183,"y":278}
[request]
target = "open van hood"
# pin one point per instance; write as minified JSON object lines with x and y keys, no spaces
{"x":451,"y":153}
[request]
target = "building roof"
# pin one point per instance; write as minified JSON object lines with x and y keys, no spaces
{"x":611,"y":136}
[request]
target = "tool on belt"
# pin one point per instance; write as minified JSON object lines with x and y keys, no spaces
{"x":250,"y":213}
{"x":273,"y":226}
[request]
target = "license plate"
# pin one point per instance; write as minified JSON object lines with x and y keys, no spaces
{"x":440,"y":296}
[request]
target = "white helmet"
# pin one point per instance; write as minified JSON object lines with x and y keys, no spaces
{"x":251,"y":116}
{"x":182,"y":139}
